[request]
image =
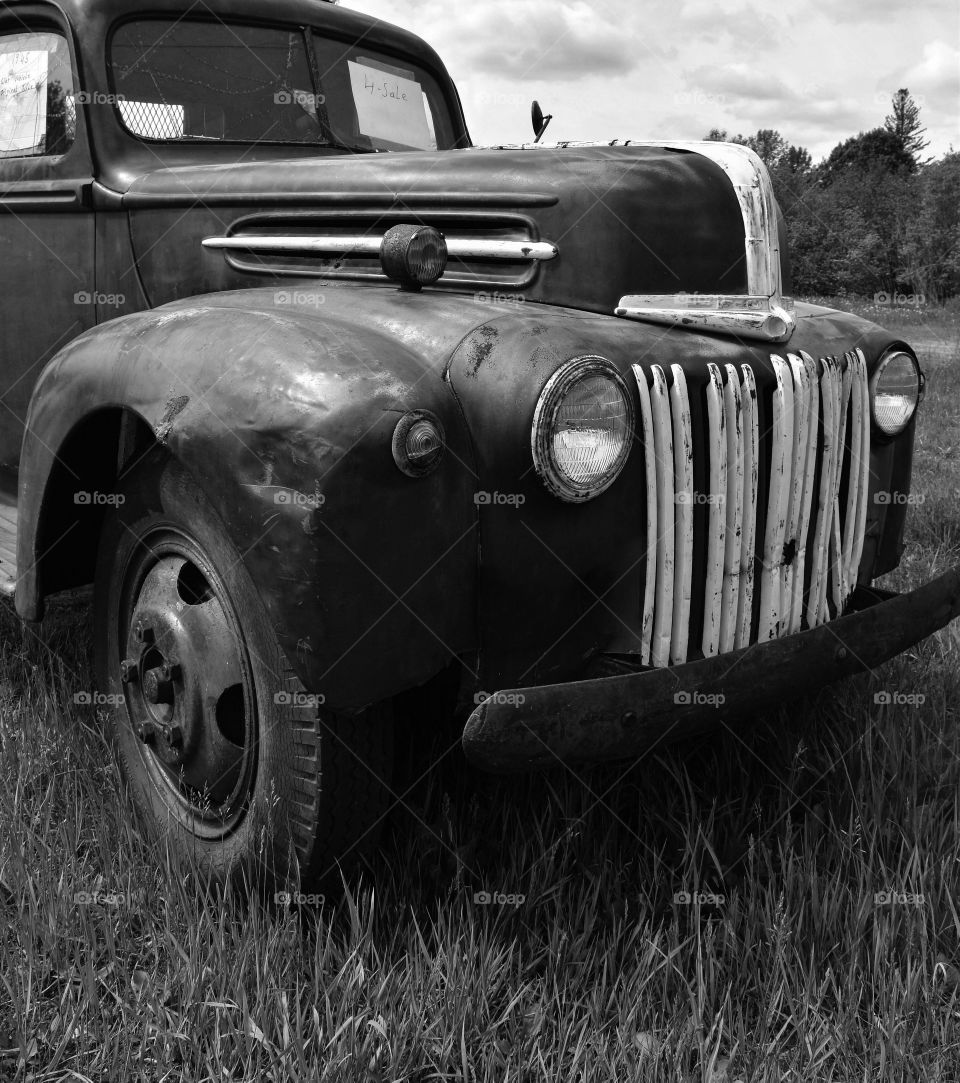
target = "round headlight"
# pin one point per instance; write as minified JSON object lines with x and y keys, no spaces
{"x":582,"y":429}
{"x":418,"y":443}
{"x":895,"y":391}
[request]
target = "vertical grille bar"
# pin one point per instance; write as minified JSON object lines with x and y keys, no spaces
{"x":801,"y":419}
{"x":717,"y":518}
{"x":751,"y":466}
{"x":663,"y":438}
{"x":859,"y":469}
{"x":836,"y":546}
{"x":733,"y":509}
{"x":812,"y":429}
{"x":830,"y":399}
{"x":683,"y":505}
{"x":650,"y":580}
{"x":771,"y":583}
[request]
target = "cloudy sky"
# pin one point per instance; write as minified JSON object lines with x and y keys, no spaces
{"x":676,"y":68}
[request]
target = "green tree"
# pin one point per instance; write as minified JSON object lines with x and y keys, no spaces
{"x":932,"y":244}
{"x":904,"y":123}
{"x":877,"y":149}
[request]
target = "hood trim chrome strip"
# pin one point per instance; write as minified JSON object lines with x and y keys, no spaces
{"x":369,"y":245}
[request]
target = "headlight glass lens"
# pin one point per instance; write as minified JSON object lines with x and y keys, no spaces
{"x":895,"y":391}
{"x":583,"y":429}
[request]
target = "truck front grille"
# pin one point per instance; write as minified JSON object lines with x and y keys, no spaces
{"x":756,"y":501}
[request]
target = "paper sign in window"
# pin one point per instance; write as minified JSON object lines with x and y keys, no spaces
{"x":23,"y":101}
{"x":389,"y":107}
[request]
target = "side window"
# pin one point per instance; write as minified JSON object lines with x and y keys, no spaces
{"x":38,"y":111}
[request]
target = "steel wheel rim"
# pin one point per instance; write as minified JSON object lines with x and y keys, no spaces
{"x":188,"y":684}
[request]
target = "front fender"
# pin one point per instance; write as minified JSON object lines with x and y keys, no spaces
{"x":284,"y":420}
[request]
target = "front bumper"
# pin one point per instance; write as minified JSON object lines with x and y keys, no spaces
{"x":614,"y":718}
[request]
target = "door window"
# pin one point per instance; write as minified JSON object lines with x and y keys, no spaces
{"x":38,"y":112}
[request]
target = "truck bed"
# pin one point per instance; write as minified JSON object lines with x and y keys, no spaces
{"x":8,"y":544}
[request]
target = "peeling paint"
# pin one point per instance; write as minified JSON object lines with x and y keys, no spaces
{"x":175,"y":406}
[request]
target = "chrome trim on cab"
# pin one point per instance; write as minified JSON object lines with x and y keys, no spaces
{"x":367,"y":245}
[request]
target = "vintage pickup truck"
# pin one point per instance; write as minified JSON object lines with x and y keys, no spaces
{"x":332,"y":408}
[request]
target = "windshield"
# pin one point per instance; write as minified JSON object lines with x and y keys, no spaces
{"x":188,"y":81}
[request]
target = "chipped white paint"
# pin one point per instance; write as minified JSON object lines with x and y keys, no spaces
{"x":650,"y":579}
{"x":778,"y":503}
{"x":744,"y":317}
{"x":815,"y":503}
{"x":805,"y":375}
{"x":717,"y":516}
{"x":830,"y":404}
{"x":683,"y":481}
{"x":860,"y":465}
{"x":663,"y":455}
{"x":751,"y":460}
{"x":733,"y":419}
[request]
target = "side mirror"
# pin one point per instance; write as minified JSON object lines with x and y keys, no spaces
{"x":540,"y":122}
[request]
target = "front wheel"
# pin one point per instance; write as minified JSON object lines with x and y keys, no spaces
{"x":226,"y":755}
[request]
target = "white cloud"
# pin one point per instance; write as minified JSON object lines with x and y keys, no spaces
{"x":818,"y":72}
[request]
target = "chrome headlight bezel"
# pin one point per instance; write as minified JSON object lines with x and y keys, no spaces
{"x":890,"y":355}
{"x":548,"y":406}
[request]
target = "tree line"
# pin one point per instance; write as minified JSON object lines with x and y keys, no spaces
{"x":874,"y":216}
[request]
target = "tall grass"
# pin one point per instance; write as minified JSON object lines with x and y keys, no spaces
{"x":777,"y":902}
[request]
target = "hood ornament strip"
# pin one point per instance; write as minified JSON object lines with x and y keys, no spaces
{"x":369,"y":245}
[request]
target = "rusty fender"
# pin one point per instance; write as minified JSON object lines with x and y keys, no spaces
{"x":284,"y":417}
{"x":619,"y":717}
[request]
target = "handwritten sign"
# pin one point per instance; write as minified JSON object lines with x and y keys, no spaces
{"x":23,"y":100}
{"x":389,"y":107}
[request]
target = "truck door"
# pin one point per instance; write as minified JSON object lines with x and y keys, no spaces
{"x":47,"y":287}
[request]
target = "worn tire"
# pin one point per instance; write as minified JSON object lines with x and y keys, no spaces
{"x":313,"y":785}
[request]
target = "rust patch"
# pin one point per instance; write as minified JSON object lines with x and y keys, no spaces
{"x":481,"y":348}
{"x":175,"y":406}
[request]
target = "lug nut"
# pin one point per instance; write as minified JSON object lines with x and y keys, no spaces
{"x":169,"y":671}
{"x":145,"y":733}
{"x":143,"y":631}
{"x":175,"y":737}
{"x":128,"y":671}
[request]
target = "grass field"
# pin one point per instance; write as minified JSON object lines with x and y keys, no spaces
{"x":819,"y":849}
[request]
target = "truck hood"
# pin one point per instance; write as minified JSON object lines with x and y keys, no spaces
{"x":624,"y":220}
